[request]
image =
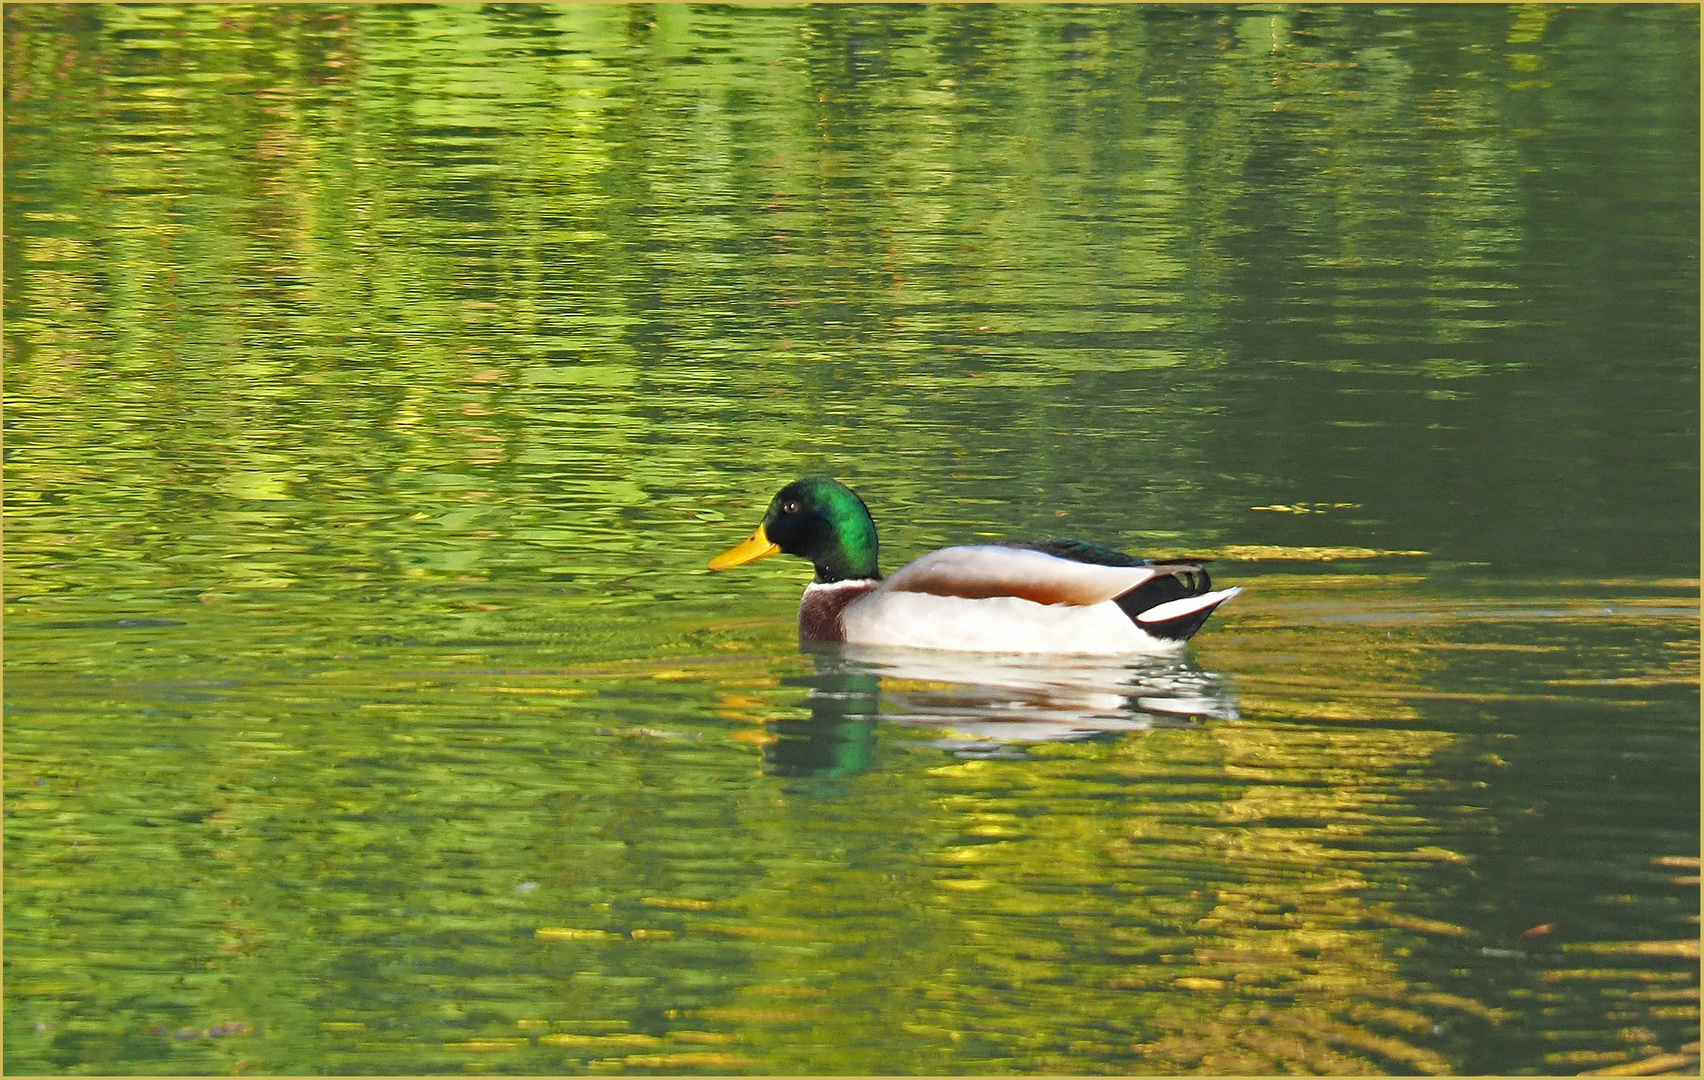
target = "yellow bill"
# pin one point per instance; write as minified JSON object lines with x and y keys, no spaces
{"x":758,"y":547}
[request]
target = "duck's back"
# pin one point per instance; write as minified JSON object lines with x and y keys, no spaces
{"x":978,"y":572}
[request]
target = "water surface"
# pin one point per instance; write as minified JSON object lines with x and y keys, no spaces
{"x":379,"y":380}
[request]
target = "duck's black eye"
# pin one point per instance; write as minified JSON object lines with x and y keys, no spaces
{"x":790,"y":507}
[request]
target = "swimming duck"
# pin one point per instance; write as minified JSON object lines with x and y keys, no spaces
{"x":1055,"y":596}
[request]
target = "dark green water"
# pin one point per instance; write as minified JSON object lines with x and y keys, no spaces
{"x":378,"y":381}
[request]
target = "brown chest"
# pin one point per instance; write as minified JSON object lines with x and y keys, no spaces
{"x":821,"y":607}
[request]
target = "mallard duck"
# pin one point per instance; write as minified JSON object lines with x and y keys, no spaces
{"x":1056,"y":596}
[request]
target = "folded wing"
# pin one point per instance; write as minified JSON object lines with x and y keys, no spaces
{"x":982,"y":571}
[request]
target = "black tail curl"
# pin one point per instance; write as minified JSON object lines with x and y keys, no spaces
{"x":1174,"y":581}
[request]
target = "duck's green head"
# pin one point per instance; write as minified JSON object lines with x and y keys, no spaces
{"x":817,"y":519}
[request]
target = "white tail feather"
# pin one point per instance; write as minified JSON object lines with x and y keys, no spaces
{"x":1189,"y":605}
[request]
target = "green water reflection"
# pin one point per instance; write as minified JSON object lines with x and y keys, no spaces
{"x":379,"y":378}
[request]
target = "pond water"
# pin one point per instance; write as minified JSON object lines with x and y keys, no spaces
{"x":380,"y":379}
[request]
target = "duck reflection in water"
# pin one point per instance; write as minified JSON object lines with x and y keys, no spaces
{"x":986,"y":705}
